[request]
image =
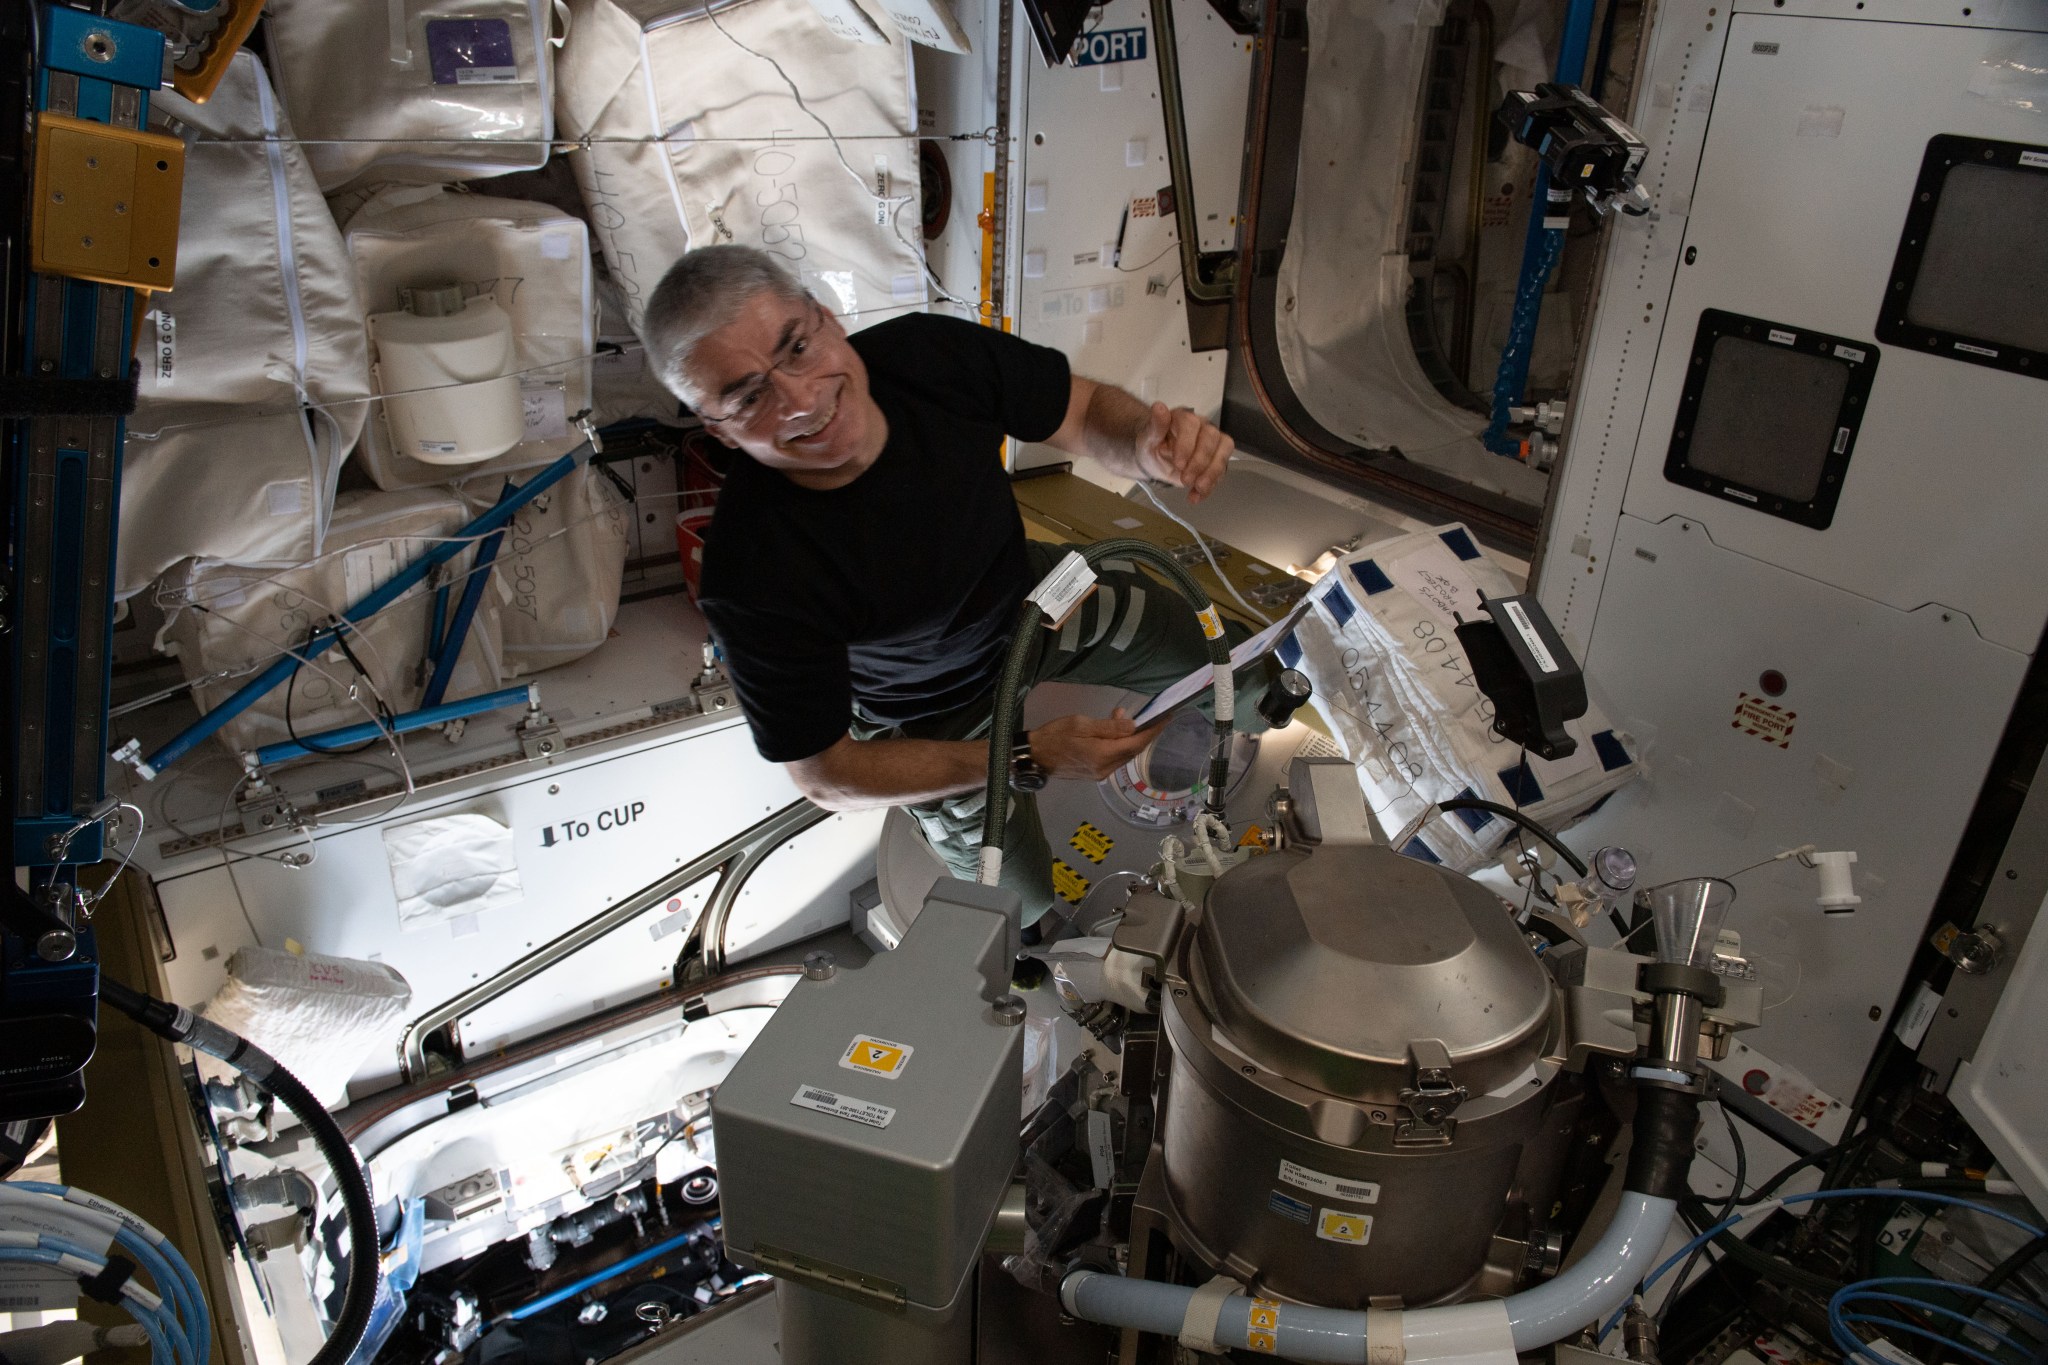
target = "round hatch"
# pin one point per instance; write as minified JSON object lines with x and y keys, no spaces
{"x":1326,"y":964}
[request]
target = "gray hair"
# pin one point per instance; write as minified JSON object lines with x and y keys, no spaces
{"x":701,"y":293}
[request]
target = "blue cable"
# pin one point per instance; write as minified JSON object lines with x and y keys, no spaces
{"x":165,"y":1264}
{"x":1923,"y":1196}
{"x":1866,"y":1290}
{"x":152,"y":1321}
{"x":177,"y":1338}
{"x":1858,"y":1294}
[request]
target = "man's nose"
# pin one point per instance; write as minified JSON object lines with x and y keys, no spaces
{"x":797,"y":394}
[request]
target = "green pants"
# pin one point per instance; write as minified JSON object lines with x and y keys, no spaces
{"x":1135,"y":632}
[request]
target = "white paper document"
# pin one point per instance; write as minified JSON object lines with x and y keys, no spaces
{"x":1192,"y":686}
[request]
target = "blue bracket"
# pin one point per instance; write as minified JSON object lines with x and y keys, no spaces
{"x":1541,"y":247}
{"x":424,"y":718}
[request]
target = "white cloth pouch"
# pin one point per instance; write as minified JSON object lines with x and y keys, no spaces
{"x":233,"y":621}
{"x":558,"y":570}
{"x":421,"y":90}
{"x":254,"y":372}
{"x":1392,"y":684}
{"x":534,"y":260}
{"x":694,"y":140}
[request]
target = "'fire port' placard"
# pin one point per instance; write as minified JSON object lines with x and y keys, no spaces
{"x":1765,"y":720}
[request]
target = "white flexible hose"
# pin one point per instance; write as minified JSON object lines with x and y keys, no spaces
{"x":1582,"y":1294}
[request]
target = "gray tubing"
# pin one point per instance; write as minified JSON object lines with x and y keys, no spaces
{"x":1583,"y":1293}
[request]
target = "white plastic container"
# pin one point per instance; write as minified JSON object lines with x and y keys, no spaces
{"x":444,"y":367}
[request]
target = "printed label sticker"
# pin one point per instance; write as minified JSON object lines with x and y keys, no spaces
{"x":843,"y":1106}
{"x":1333,"y":1186}
{"x":1341,"y":1225}
{"x":876,"y":1056}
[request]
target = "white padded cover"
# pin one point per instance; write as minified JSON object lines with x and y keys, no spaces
{"x":320,"y":1016}
{"x":534,"y":260}
{"x":252,"y":614}
{"x":559,"y":568}
{"x":221,"y":461}
{"x":1392,"y":684}
{"x":416,"y":89}
{"x":715,"y":171}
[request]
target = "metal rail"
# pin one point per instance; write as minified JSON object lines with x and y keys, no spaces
{"x":732,"y":862}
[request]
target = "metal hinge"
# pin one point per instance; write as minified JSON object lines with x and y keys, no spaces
{"x":869,"y":1290}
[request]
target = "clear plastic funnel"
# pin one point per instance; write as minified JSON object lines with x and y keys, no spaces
{"x":1688,"y":916}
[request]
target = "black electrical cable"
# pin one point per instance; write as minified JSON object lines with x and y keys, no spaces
{"x":175,"y":1024}
{"x":1572,"y":859}
{"x":1994,"y":1279}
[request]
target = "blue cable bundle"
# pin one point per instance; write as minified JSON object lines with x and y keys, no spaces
{"x":174,"y":1315}
{"x":1872,"y":1290}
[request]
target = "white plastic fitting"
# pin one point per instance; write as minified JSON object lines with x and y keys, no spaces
{"x":1837,"y":890}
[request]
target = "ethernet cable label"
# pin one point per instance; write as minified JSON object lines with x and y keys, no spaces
{"x":1332,"y":1186}
{"x":876,"y":1056}
{"x":843,"y":1106}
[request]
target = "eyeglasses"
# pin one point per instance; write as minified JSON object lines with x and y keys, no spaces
{"x":800,"y":358}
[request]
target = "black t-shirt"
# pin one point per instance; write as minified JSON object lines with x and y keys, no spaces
{"x":897,"y":591}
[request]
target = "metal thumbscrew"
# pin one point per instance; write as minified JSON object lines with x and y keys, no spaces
{"x":1009,"y":1009}
{"x":819,"y":966}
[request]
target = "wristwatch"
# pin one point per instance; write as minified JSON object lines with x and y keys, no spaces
{"x":1026,"y":773}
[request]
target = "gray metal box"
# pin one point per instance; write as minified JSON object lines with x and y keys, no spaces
{"x":867,"y":1136}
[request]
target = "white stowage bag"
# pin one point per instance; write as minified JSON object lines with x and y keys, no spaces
{"x":532,"y":259}
{"x":250,"y":615}
{"x":222,"y":462}
{"x":320,"y":1016}
{"x":421,"y":90}
{"x":1391,"y":682}
{"x":622,"y":386}
{"x":733,"y":158}
{"x":559,"y":568}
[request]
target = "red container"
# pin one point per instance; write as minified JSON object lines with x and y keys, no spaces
{"x":690,"y":528}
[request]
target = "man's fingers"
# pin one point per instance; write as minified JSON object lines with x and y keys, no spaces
{"x":1212,"y":458}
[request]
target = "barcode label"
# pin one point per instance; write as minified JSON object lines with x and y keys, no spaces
{"x":1334,"y":1186}
{"x":843,"y":1106}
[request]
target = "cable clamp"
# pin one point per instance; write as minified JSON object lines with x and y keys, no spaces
{"x":107,"y":1285}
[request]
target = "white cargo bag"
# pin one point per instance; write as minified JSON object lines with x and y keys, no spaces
{"x":558,"y":569}
{"x":622,"y":387}
{"x":232,"y":621}
{"x":222,"y":461}
{"x":533,"y":259}
{"x":320,"y":1016}
{"x":421,"y":90}
{"x":694,"y":140}
{"x":1391,"y":682}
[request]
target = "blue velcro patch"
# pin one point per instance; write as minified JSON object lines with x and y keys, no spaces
{"x":1289,"y":651}
{"x":1523,"y":788}
{"x":1608,"y":747}
{"x":1339,"y":606}
{"x":1371,"y":577}
{"x":1290,"y":1208}
{"x":1460,"y":543}
{"x":1476,"y":819}
{"x":1415,"y":848}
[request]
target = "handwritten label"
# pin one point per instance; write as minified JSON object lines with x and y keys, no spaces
{"x":1433,"y":576}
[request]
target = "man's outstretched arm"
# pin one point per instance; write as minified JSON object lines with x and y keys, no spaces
{"x":1138,"y":441}
{"x":862,"y":774}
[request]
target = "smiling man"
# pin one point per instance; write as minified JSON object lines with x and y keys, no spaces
{"x":865,"y":564}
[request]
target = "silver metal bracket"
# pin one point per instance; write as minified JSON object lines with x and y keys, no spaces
{"x":1433,"y":1099}
{"x":540,"y":739}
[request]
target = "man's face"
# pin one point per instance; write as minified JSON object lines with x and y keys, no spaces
{"x":781,"y":383}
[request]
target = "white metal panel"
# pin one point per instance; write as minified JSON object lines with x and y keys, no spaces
{"x":1125,"y":323}
{"x":1816,"y":140}
{"x":1672,"y":102}
{"x":1895,"y":716}
{"x":2000,"y":1089}
{"x":1216,"y":88}
{"x":803,"y":887}
{"x":690,"y":793}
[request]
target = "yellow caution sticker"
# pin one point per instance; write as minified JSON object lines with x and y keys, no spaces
{"x":1262,"y":1328}
{"x":1254,"y":839}
{"x":1091,"y":843}
{"x":1342,"y":1225}
{"x":1068,"y":884}
{"x":876,"y":1056}
{"x":1212,"y":624}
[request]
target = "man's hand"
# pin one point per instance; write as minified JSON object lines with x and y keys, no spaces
{"x":1179,"y":447}
{"x":1087,"y":747}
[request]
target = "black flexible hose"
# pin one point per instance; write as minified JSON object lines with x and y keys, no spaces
{"x":175,"y":1024}
{"x":1011,"y":687}
{"x":1573,"y":860}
